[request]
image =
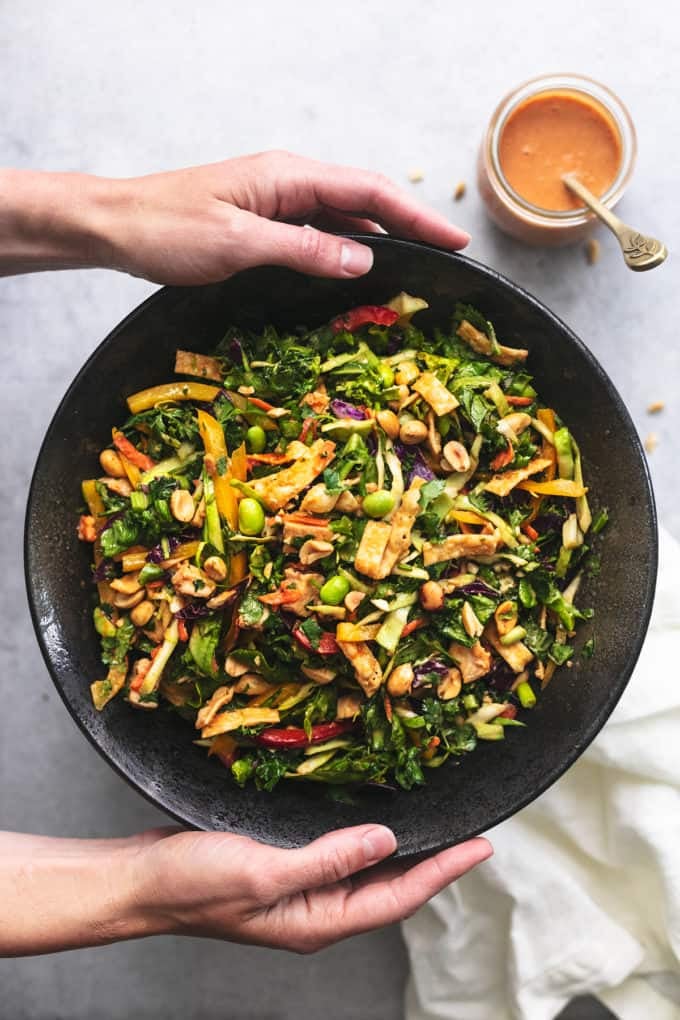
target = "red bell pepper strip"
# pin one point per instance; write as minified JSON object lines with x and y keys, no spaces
{"x":529,"y":531}
{"x":327,"y":643}
{"x":293,"y":736}
{"x":135,"y":456}
{"x":503,"y":458}
{"x":307,"y":425}
{"x":520,"y":401}
{"x":379,"y":315}
{"x":509,"y":712}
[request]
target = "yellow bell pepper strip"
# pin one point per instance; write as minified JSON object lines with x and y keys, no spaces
{"x":466,"y":517}
{"x":558,"y":487}
{"x":132,"y":559}
{"x":226,"y":497}
{"x":169,"y":393}
{"x":97,"y":509}
{"x":238,"y":470}
{"x":356,"y":632}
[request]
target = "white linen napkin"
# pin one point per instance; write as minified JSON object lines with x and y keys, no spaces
{"x":582,"y":895}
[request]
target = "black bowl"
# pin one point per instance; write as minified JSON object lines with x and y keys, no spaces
{"x":153,"y":751}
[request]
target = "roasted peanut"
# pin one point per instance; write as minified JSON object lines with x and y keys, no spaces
{"x":142,"y":613}
{"x":413,"y":432}
{"x":128,"y":584}
{"x":320,"y":675}
{"x":517,"y":422}
{"x":215,"y":568}
{"x":233,"y":667}
{"x":407,"y":373}
{"x":128,"y":601}
{"x":388,"y":422}
{"x":506,"y":616}
{"x":182,"y":506}
{"x":252,"y":683}
{"x":431,"y":596}
{"x":449,"y":687}
{"x":112,"y":464}
{"x":120,"y":486}
{"x":349,"y":706}
{"x":456,"y":456}
{"x":471,"y":623}
{"x":314,"y":549}
{"x":400,"y":680}
{"x":353,"y":600}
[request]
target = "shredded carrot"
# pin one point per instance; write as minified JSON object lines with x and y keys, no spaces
{"x":135,"y":456}
{"x":267,"y":458}
{"x":420,"y":621}
{"x":529,"y":531}
{"x":182,"y":631}
{"x":263,"y":405}
{"x":309,"y":424}
{"x":503,"y":458}
{"x":281,"y":597}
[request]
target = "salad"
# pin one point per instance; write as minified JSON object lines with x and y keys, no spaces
{"x":344,"y":555}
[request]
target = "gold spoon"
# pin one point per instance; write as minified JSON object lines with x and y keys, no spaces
{"x":639,"y":251}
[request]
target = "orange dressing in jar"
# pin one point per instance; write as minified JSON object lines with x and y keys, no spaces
{"x":555,"y":133}
{"x":544,"y":128}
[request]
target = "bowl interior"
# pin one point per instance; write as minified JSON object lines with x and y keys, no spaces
{"x":153,"y":751}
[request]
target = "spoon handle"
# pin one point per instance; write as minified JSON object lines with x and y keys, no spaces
{"x":640,"y":252}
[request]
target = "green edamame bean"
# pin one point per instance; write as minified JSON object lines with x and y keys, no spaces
{"x":250,"y":516}
{"x":334,"y":590}
{"x":256,"y":438}
{"x":386,"y":374}
{"x":377,"y":504}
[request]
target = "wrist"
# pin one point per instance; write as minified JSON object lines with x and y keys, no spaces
{"x":54,"y":220}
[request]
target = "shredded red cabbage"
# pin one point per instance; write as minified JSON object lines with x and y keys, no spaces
{"x":476,"y":588}
{"x":193,"y":611}
{"x":341,"y":409}
{"x":500,"y":677}
{"x":106,"y":571}
{"x":109,"y":520}
{"x":419,"y":468}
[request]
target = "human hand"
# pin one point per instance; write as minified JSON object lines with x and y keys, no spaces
{"x":201,"y":224}
{"x":229,"y":887}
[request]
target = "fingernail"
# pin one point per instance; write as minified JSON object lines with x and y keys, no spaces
{"x":379,"y":843}
{"x":355,"y":259}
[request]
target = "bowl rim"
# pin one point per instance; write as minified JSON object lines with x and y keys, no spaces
{"x":158,"y":798}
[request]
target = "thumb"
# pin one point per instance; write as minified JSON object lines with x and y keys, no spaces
{"x":331,"y":858}
{"x":306,"y":249}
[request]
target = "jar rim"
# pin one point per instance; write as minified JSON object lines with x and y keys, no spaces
{"x":595,"y":91}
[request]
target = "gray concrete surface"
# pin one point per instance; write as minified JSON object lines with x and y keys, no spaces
{"x":126,"y":88}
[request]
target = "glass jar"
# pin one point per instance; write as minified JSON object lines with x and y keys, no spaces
{"x":519,"y":217}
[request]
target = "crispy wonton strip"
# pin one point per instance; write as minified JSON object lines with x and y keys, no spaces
{"x":372,"y":547}
{"x":228,"y":721}
{"x":504,"y":483}
{"x":456,"y":546}
{"x":481,"y":344}
{"x":199,"y":365}
{"x":366,"y":667}
{"x":441,"y":400}
{"x":276,"y":490}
